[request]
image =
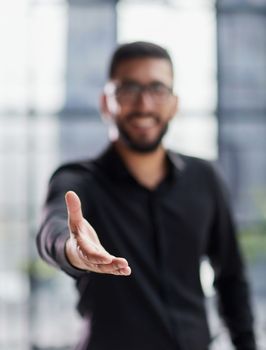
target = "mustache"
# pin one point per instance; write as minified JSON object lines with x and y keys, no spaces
{"x":134,"y":115}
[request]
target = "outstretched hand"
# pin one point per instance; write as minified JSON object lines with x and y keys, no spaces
{"x":83,"y":247}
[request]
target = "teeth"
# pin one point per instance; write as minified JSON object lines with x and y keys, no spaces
{"x":144,"y":122}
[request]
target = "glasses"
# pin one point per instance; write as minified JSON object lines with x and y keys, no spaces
{"x":130,"y":92}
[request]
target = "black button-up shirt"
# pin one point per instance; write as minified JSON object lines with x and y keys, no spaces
{"x":163,"y":233}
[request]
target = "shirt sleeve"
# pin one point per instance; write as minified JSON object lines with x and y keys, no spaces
{"x":54,"y":232}
{"x":230,"y":279}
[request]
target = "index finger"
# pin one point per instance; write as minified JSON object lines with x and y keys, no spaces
{"x":74,"y":209}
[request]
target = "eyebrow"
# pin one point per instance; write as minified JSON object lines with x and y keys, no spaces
{"x":132,"y":81}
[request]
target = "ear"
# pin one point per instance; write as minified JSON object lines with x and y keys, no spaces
{"x":174,"y":106}
{"x":109,"y":106}
{"x":104,"y":106}
{"x":108,"y":116}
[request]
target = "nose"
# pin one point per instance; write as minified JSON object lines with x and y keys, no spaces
{"x":144,"y":101}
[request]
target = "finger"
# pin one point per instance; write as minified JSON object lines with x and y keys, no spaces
{"x":126,"y":271}
{"x":119,"y":266}
{"x":119,"y":263}
{"x":110,"y":269}
{"x":74,"y":209}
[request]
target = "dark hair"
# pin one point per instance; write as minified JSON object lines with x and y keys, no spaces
{"x":137,"y":49}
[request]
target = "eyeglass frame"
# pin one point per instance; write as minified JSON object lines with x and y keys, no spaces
{"x":111,"y":88}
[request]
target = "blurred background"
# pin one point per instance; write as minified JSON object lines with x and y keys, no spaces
{"x":53,"y":64}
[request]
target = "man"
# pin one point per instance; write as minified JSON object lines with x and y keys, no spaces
{"x":148,"y":217}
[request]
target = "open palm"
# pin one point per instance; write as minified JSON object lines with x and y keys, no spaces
{"x":84,"y":249}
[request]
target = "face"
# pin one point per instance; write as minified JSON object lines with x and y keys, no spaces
{"x":141,"y":103}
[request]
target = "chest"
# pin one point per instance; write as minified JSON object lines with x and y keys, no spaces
{"x":172,"y":223}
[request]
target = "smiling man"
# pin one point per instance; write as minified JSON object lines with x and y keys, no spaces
{"x":143,"y":89}
{"x":148,"y":217}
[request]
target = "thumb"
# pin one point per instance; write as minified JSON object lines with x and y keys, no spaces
{"x":74,"y":209}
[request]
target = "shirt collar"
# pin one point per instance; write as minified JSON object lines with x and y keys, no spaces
{"x":111,"y":161}
{"x":176,"y":160}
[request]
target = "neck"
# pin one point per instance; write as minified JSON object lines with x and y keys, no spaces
{"x":147,"y":168}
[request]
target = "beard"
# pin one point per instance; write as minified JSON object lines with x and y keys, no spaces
{"x":136,"y":145}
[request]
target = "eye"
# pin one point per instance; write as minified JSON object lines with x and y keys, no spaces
{"x":128,"y":88}
{"x":160,"y":89}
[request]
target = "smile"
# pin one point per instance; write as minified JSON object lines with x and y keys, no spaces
{"x":143,"y":123}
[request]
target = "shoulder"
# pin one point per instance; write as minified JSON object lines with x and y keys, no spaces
{"x":73,"y":174}
{"x":78,"y":167}
{"x":186,"y":163}
{"x":199,"y":171}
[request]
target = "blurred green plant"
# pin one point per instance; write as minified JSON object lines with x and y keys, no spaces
{"x":253,"y":242}
{"x":39,"y":270}
{"x":253,"y":238}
